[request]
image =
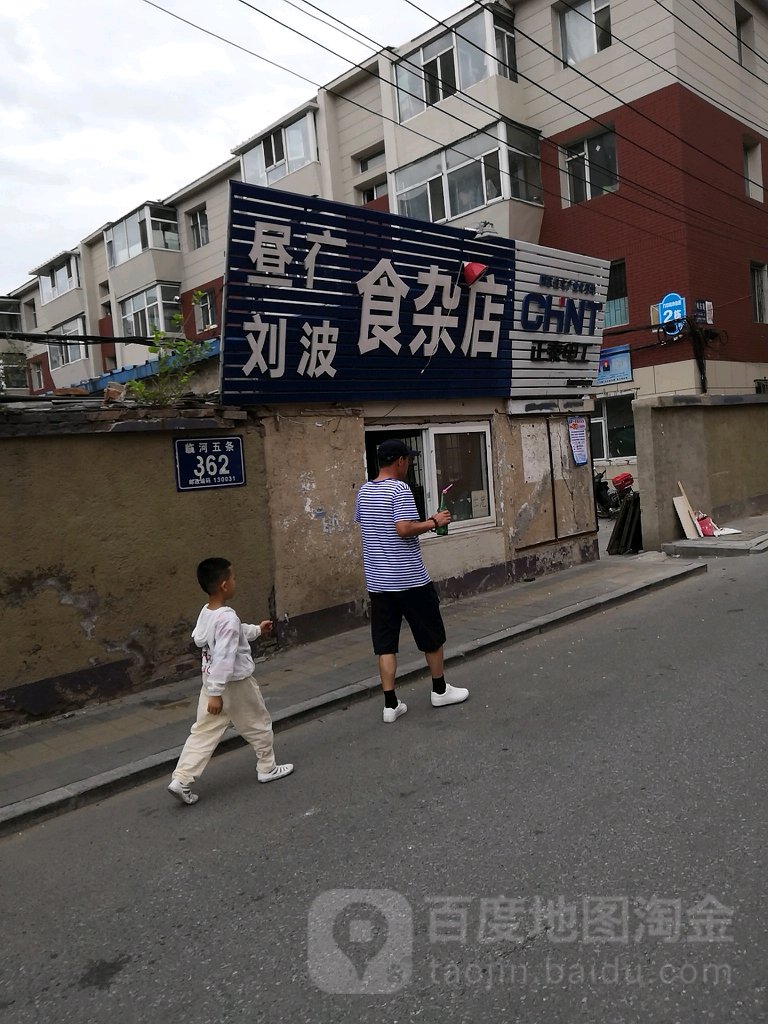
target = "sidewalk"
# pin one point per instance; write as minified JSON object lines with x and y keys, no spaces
{"x":58,"y":764}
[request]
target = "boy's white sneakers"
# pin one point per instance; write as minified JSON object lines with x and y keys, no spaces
{"x":392,"y":714}
{"x":278,"y":772}
{"x":182,"y":792}
{"x":452,"y":695}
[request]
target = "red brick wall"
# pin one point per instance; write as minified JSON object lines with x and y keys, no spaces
{"x":188,"y":310}
{"x":676,"y":233}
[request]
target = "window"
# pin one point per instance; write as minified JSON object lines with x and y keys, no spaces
{"x":585,"y":29}
{"x":10,"y":315}
{"x":616,"y":309}
{"x":153,"y":227}
{"x":453,"y":61}
{"x":368,"y":195}
{"x":198,"y":227}
{"x":36,"y":373}
{"x":30,"y":314}
{"x":61,"y":352}
{"x":753,"y":170}
{"x":458,"y":454}
{"x":13,"y":371}
{"x":149,"y":311}
{"x":612,"y":428}
{"x":745,"y":36}
{"x":500,"y":163}
{"x":759,"y":283}
{"x":58,"y":278}
{"x":504,"y":38}
{"x":370,"y":163}
{"x":591,"y":167}
{"x":281,"y":152}
{"x":205,"y":312}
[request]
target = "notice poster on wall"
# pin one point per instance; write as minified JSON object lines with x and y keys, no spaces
{"x":577,"y":430}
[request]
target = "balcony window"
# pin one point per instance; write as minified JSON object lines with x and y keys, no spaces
{"x":153,"y":227}
{"x":58,"y":278}
{"x":499,"y":164}
{"x":152,"y":310}
{"x":454,"y":61}
{"x":281,"y":152}
{"x":504,"y":38}
{"x":372,"y":192}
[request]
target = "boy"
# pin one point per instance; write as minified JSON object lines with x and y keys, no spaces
{"x":229,"y":690}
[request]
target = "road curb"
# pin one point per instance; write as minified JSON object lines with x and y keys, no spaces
{"x":20,"y":815}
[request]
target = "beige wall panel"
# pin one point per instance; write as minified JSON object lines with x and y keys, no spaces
{"x":574,"y":502}
{"x":58,"y":310}
{"x":206,"y":263}
{"x":314,"y":466}
{"x":531,"y":518}
{"x":105,"y":575}
{"x":143,"y":270}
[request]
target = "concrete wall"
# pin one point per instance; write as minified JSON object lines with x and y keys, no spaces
{"x":713,"y":445}
{"x":98,"y":587}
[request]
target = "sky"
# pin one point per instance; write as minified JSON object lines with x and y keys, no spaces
{"x":104,"y":105}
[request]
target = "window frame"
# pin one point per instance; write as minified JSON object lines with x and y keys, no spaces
{"x":572,"y":14}
{"x":51,"y":286}
{"x":161,"y":302}
{"x":616,"y":315}
{"x":758,"y":288}
{"x":207,"y":302}
{"x":379,"y":189}
{"x":601,"y":420}
{"x":62,"y":353}
{"x":439,"y":171}
{"x":580,"y":150}
{"x":255,"y":168}
{"x":198,"y":226}
{"x":142,"y":230}
{"x":421,"y":436}
{"x":412,"y":79}
{"x":753,"y":169}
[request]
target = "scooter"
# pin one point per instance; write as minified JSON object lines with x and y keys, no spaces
{"x":608,"y":502}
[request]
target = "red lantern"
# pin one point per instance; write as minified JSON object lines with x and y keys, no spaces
{"x":473,"y":271}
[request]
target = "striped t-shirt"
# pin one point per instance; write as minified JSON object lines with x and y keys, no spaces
{"x":390,"y":562}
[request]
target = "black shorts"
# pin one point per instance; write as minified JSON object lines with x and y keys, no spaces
{"x":419,"y":606}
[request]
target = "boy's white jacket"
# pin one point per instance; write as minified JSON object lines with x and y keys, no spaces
{"x":225,"y":643}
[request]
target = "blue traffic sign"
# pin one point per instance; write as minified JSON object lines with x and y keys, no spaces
{"x":672,"y":313}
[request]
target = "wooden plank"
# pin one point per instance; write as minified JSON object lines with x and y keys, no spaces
{"x":683,"y":510}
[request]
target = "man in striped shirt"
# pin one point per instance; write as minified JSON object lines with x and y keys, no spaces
{"x":396,"y":577}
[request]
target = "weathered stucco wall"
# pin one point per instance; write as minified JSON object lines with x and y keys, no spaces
{"x":314,"y":464}
{"x":97,"y":571}
{"x":714,"y":445}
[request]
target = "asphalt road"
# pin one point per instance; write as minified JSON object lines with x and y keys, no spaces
{"x":584,"y":840}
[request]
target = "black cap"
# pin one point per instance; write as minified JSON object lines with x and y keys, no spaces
{"x":392,"y":450}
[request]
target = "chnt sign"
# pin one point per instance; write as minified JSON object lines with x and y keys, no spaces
{"x":207,"y":462}
{"x":329,"y":302}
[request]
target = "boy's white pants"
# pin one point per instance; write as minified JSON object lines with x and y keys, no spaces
{"x":245,"y":708}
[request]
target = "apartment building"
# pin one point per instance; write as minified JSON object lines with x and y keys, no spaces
{"x":623,"y":129}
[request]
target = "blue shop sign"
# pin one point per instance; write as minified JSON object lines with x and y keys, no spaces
{"x":335,"y":303}
{"x":205,"y":462}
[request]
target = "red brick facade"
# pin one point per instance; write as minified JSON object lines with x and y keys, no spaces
{"x":681,"y":219}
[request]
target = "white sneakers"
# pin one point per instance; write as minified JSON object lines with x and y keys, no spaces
{"x":392,"y":714}
{"x":452,"y":695}
{"x":182,"y":792}
{"x":278,"y":772}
